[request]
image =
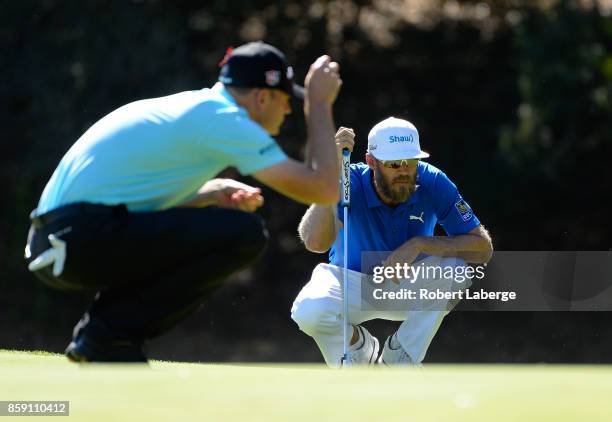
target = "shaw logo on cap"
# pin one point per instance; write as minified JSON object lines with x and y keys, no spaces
{"x":393,"y":139}
{"x":396,"y":139}
{"x":273,"y":77}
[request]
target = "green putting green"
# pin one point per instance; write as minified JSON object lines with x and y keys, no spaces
{"x":210,"y":392}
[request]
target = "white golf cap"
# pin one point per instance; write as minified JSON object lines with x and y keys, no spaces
{"x":395,"y":139}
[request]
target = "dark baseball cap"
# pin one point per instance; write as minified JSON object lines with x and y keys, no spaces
{"x":259,"y":65}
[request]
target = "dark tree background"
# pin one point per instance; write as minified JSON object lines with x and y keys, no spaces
{"x":512,"y":98}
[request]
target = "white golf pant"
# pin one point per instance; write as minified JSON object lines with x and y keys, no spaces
{"x":318,"y":312}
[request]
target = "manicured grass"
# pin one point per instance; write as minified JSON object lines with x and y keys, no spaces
{"x":210,"y":392}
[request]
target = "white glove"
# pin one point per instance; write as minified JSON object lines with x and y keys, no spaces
{"x":56,"y":255}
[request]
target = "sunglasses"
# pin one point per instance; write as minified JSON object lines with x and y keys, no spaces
{"x":396,"y":164}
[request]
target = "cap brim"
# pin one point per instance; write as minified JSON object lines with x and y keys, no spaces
{"x":298,"y":92}
{"x":395,"y":156}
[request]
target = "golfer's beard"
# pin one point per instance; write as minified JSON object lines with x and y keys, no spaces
{"x":396,"y":193}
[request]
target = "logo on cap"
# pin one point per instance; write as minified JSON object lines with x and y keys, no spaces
{"x":273,"y":77}
{"x":393,"y":139}
{"x":396,"y":139}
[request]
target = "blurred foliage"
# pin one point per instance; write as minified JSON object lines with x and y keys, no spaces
{"x":511,"y":97}
{"x":563,"y":122}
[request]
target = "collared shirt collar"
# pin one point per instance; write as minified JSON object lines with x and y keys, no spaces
{"x":220,"y":89}
{"x":372,"y":198}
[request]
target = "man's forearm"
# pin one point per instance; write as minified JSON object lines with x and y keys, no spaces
{"x":317,"y":228}
{"x":321,"y":152}
{"x":201,"y":199}
{"x":470,"y":247}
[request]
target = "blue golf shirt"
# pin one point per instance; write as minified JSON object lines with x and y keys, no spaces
{"x":156,"y":153}
{"x":374,"y":226}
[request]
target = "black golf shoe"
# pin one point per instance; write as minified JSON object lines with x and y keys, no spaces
{"x":84,"y":349}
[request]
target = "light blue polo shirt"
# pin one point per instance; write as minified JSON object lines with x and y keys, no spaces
{"x":156,"y":153}
{"x":374,"y":226}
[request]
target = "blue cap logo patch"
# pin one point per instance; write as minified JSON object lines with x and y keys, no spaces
{"x":273,"y":77}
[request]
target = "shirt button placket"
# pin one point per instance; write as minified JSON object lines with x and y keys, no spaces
{"x":394,"y":230}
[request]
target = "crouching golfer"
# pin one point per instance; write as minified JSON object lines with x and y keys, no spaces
{"x":396,"y":201}
{"x":133,"y":213}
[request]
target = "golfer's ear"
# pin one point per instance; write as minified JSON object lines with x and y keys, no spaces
{"x":369,"y":160}
{"x":261,"y":97}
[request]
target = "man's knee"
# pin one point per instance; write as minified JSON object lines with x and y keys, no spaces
{"x":316,"y":315}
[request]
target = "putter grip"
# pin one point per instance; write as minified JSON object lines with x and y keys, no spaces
{"x":345,"y":178}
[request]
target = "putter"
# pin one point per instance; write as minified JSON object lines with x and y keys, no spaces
{"x":345,"y":198}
